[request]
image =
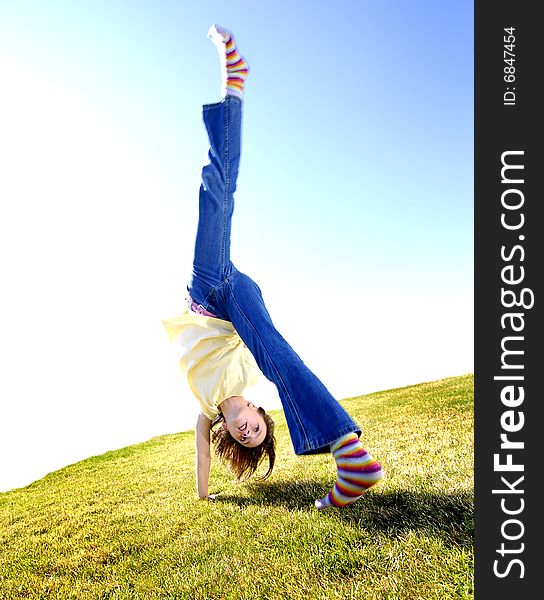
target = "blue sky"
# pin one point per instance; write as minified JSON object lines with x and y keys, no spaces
{"x":354,"y":206}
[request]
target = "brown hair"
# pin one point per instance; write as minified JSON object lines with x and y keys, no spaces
{"x":243,"y":461}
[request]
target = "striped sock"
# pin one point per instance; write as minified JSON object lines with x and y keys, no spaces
{"x":357,"y":471}
{"x":234,"y":68}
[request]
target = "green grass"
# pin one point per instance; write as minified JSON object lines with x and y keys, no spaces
{"x":127,"y":524}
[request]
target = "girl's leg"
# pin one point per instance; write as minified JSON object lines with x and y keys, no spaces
{"x":223,"y":121}
{"x":211,"y":262}
{"x":314,"y":417}
{"x":317,"y":422}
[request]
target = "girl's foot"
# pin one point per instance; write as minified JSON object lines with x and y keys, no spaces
{"x":357,"y":472}
{"x":234,"y":68}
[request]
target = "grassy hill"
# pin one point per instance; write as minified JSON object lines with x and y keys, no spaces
{"x":127,"y":524}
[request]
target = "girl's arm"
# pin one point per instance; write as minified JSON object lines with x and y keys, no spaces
{"x":203,"y":455}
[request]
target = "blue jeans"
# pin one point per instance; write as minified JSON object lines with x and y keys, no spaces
{"x":314,"y":417}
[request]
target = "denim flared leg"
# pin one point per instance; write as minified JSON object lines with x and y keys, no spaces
{"x":211,"y":264}
{"x":314,"y":417}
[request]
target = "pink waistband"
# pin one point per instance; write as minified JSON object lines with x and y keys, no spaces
{"x":199,"y":309}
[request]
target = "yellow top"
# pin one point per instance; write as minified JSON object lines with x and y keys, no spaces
{"x":216,"y":361}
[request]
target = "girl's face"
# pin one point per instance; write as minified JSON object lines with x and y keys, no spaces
{"x":247,"y":426}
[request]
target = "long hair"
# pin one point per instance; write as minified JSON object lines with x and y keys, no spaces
{"x":243,"y":461}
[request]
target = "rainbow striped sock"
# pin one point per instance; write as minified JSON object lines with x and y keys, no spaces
{"x":234,"y":68}
{"x":357,"y":471}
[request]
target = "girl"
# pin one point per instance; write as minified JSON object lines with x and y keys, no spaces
{"x":226,"y":333}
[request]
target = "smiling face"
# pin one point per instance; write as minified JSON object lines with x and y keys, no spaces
{"x":246,"y":426}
